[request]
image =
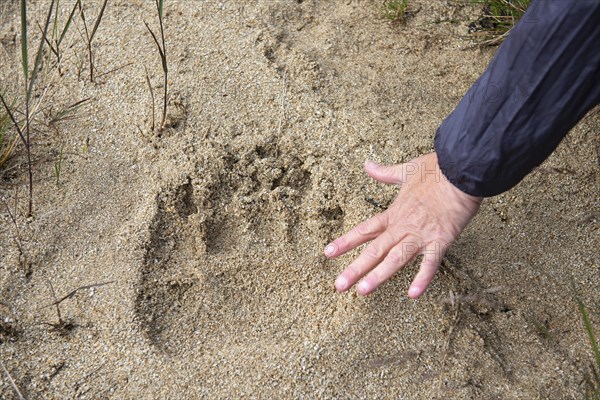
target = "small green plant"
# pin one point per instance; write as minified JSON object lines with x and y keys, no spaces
{"x":29,"y":82}
{"x":64,"y":114}
{"x":162,"y":51}
{"x":394,"y":10}
{"x":497,"y":19}
{"x":21,"y":120}
{"x":591,"y":378}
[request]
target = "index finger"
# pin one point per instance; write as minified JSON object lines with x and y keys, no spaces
{"x":361,"y":233}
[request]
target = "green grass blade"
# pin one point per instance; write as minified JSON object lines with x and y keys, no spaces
{"x":48,"y":42}
{"x":69,"y":110}
{"x":24,"y":53}
{"x":589,"y":329}
{"x":159,"y":5}
{"x":7,"y":142}
{"x":67,"y":25}
{"x":160,"y":50}
{"x":12,"y":118}
{"x":587,"y":323}
{"x":4,"y":125}
{"x":38,"y":56}
{"x":55,"y":23}
{"x":98,"y":20}
{"x":58,"y":166}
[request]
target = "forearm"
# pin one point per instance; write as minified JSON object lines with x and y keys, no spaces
{"x":542,"y":81}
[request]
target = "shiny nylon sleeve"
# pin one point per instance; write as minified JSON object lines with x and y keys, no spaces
{"x":543,"y":79}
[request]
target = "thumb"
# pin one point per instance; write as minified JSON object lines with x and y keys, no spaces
{"x":392,"y":174}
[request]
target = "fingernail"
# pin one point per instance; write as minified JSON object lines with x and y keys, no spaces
{"x":414,"y":292}
{"x":341,"y":283}
{"x":363,"y":287}
{"x":330,"y":250}
{"x":371,"y":164}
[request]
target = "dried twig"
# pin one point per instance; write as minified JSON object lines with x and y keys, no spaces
{"x":114,"y":70}
{"x":63,"y":327}
{"x":478,"y":298}
{"x":151,"y":97}
{"x":11,"y":380}
{"x":74,"y":292}
{"x":59,"y":40}
{"x":455,"y":321}
{"x":90,"y":35}
{"x":162,"y":51}
{"x":14,"y":221}
{"x":282,"y":113}
{"x":29,"y":84}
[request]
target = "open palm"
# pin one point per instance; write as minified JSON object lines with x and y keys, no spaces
{"x":427,"y":216}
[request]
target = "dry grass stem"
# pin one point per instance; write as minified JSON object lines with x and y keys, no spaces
{"x":162,"y":51}
{"x":12,"y":381}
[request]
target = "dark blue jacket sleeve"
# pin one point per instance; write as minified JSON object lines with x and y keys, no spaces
{"x":543,"y":79}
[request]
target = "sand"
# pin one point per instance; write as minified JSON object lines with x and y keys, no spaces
{"x":211,"y":232}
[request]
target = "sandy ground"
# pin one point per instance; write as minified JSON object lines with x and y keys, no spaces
{"x":212,"y":231}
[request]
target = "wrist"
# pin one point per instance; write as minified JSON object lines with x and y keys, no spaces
{"x":453,"y":191}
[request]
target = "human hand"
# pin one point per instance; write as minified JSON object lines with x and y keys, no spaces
{"x":427,"y":216}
